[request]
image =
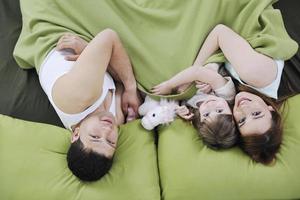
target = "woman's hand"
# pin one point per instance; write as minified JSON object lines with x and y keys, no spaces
{"x":74,"y":42}
{"x":184,"y":112}
{"x":163,"y":88}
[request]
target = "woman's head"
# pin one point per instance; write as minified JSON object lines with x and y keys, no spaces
{"x":215,"y":124}
{"x":93,"y":144}
{"x":259,"y":124}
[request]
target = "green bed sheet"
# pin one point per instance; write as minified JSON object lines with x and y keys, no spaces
{"x":33,"y":165}
{"x":190,"y":170}
{"x":161,"y":37}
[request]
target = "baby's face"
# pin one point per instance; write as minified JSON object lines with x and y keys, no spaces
{"x":212,"y":107}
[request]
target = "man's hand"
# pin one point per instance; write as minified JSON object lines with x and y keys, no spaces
{"x":163,"y":88}
{"x":130,"y":103}
{"x":74,"y":42}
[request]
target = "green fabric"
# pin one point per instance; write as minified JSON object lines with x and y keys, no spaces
{"x":190,"y":170}
{"x":161,"y":37}
{"x":33,"y":165}
{"x":21,"y":93}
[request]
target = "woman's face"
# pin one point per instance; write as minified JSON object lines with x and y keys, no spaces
{"x":252,"y":114}
{"x":212,"y":107}
{"x":98,"y":133}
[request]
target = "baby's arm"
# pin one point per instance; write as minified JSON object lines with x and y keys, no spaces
{"x":245,"y":60}
{"x":192,"y":73}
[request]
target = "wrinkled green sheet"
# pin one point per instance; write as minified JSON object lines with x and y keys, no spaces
{"x":34,"y":167}
{"x":161,"y":37}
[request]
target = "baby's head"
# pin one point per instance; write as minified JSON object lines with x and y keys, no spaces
{"x":215,"y":123}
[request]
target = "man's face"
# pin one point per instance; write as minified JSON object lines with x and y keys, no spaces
{"x":98,"y":133}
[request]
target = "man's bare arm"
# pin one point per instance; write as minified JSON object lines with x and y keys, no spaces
{"x":83,"y":84}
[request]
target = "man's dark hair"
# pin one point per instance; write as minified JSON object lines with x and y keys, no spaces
{"x":86,"y":164}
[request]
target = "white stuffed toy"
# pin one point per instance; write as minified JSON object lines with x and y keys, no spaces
{"x":157,"y":112}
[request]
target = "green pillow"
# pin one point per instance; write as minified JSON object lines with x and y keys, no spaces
{"x":190,"y":170}
{"x":33,"y":165}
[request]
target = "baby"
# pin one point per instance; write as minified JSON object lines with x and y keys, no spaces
{"x":210,"y":110}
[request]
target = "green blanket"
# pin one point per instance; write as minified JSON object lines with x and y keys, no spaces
{"x":161,"y":37}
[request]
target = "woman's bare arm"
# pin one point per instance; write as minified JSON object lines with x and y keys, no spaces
{"x":253,"y":68}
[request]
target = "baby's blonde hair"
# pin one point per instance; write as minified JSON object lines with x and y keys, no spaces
{"x":220,"y":133}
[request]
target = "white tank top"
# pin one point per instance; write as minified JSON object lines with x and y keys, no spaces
{"x":53,"y":67}
{"x":270,"y":90}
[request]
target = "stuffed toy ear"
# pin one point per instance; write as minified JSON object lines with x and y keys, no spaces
{"x":148,"y":105}
{"x":168,"y":114}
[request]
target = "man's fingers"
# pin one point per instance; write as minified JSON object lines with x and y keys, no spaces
{"x":125,"y":107}
{"x":65,"y":45}
{"x":71,"y":57}
{"x":135,"y":108}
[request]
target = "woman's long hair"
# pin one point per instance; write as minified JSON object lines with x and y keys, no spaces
{"x":263,"y":147}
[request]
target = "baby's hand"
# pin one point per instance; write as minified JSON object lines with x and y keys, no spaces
{"x":74,"y":42}
{"x":203,"y":87}
{"x":184,"y":112}
{"x":163,"y":88}
{"x":182,"y":88}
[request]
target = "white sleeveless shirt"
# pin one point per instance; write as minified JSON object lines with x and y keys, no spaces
{"x":270,"y":90}
{"x":53,"y":67}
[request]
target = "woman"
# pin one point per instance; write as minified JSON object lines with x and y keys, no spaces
{"x":255,"y":110}
{"x":76,"y":76}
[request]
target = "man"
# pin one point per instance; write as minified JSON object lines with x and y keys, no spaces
{"x":76,"y":77}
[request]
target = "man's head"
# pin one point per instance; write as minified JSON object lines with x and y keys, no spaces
{"x":93,"y":145}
